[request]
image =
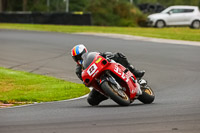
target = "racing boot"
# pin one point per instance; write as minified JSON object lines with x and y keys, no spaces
{"x":95,"y":98}
{"x":138,"y":74}
{"x":121,"y":58}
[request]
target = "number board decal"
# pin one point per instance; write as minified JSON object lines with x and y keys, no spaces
{"x":92,"y":69}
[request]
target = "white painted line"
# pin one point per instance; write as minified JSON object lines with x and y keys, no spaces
{"x":49,"y":102}
{"x":140,"y":38}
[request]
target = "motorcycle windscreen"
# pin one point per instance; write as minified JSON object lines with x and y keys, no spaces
{"x":88,"y":59}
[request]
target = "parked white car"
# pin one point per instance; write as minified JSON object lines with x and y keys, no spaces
{"x":176,"y":16}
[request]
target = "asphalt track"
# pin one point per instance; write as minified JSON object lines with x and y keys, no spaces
{"x":172,"y":70}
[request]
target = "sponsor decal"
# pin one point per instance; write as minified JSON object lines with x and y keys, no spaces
{"x":98,"y":60}
{"x":118,"y":71}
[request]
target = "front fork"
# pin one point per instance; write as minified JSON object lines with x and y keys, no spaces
{"x":108,"y":77}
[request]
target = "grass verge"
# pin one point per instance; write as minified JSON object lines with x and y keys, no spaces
{"x":179,"y":33}
{"x":17,"y":87}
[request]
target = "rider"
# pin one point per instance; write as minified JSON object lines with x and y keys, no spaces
{"x":96,"y":97}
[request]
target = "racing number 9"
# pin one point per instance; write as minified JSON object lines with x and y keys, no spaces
{"x":92,"y":69}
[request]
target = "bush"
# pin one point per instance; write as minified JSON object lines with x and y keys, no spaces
{"x":114,"y":13}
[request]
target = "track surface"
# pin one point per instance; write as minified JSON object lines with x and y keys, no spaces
{"x":173,"y":71}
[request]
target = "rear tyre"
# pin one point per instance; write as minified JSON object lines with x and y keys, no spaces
{"x":195,"y":24}
{"x":147,"y":96}
{"x":118,"y":96}
{"x":160,"y":24}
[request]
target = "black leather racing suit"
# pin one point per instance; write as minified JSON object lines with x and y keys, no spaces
{"x":96,"y":97}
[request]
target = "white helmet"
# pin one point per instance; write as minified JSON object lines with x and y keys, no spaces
{"x":77,"y":51}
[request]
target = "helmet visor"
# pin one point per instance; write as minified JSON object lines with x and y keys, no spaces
{"x":77,"y":58}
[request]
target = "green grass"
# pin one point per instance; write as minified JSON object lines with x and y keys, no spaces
{"x":179,"y":33}
{"x":19,"y":87}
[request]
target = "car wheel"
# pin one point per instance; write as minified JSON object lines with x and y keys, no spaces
{"x":160,"y":24}
{"x":195,"y":24}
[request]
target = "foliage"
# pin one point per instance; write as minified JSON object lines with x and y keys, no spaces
{"x":17,"y":5}
{"x":114,"y":13}
{"x":104,"y":12}
{"x":172,"y":2}
{"x":57,"y":6}
{"x":78,"y":5}
{"x":46,"y":5}
{"x":36,"y":5}
{"x":14,"y":5}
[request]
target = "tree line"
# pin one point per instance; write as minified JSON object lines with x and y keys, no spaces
{"x":167,"y":3}
{"x":77,"y":5}
{"x":104,"y":12}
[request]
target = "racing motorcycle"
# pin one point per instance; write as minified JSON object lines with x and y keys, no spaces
{"x":114,"y":80}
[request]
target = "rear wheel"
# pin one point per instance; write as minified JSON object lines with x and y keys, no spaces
{"x":119,"y":96}
{"x":195,"y":24}
{"x":147,"y":96}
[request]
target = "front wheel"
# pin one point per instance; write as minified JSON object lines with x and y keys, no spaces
{"x":119,"y":96}
{"x":160,"y":24}
{"x":147,"y":96}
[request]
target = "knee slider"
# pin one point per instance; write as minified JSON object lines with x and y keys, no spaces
{"x":92,"y":102}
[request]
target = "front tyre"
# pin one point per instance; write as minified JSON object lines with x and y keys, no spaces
{"x":147,"y":96}
{"x":119,"y":96}
{"x":160,"y":24}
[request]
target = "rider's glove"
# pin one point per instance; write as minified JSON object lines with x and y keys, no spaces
{"x":107,"y":55}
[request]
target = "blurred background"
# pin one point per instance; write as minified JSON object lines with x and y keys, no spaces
{"x":91,"y":12}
